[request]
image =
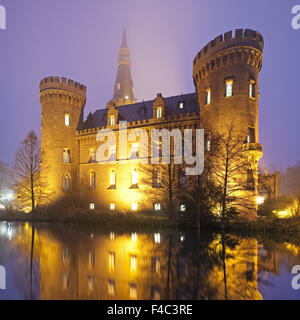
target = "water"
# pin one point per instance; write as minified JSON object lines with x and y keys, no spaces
{"x":59,"y":261}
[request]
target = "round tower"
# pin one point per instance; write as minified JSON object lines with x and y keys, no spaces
{"x":62,"y":103}
{"x":225,"y":74}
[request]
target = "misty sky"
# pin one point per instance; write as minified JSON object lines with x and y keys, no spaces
{"x":79,"y":39}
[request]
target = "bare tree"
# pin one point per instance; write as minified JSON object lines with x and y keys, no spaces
{"x":6,"y":178}
{"x":29,"y":189}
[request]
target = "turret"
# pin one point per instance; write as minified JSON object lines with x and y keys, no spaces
{"x":226,"y":73}
{"x":62,"y":103}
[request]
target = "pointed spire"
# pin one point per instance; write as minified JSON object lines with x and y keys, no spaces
{"x":124,"y":39}
{"x":123,"y":90}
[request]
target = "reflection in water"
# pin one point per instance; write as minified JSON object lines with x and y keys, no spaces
{"x":55,"y":261}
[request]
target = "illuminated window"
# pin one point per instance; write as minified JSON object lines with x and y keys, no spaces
{"x":157,"y":206}
{"x":158,"y":112}
{"x":119,"y":85}
{"x":133,"y":291}
{"x":207,"y":96}
{"x":157,"y":237}
{"x":229,"y":88}
{"x":134,"y":237}
{"x":92,"y":258}
{"x":156,"y":265}
{"x":67,"y":120}
{"x":111,"y":287}
{"x":66,"y":183}
{"x":155,"y":293}
{"x":182,"y":207}
{"x":134,"y":206}
{"x":92,"y":155}
{"x":207,"y":143}
{"x":181,"y":105}
{"x":111,"y":120}
{"x":133,"y":263}
{"x":66,"y":155}
{"x":91,"y":283}
{"x":92,"y":181}
{"x":126,"y":97}
{"x":112,"y":179}
{"x":134,"y":179}
{"x":112,"y":236}
{"x":112,"y":206}
{"x":157,"y":177}
{"x":135,"y":150}
{"x":252,"y":89}
{"x":92,"y":206}
{"x":111,"y":261}
{"x":65,"y":281}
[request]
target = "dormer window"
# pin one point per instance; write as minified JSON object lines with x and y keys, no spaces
{"x":158,"y":112}
{"x":207,"y":96}
{"x":229,"y":88}
{"x":67,"y":120}
{"x":181,"y":105}
{"x":111,"y":120}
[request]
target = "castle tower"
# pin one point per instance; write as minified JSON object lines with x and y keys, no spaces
{"x":225,"y":74}
{"x":123,"y":90}
{"x":62,"y":103}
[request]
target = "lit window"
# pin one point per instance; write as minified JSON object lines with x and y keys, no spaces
{"x":112,"y":179}
{"x":66,"y":155}
{"x":111,"y":287}
{"x":181,"y":105}
{"x":252,"y":89}
{"x":92,"y":206}
{"x":157,"y":206}
{"x":134,"y":179}
{"x":92,"y":258}
{"x":156,"y":264}
{"x":126,"y":97}
{"x":229,"y":88}
{"x":67,"y":120}
{"x":134,"y":237}
{"x":66,"y":183}
{"x":207,"y":144}
{"x":133,"y":263}
{"x":158,"y":112}
{"x":135,"y":150}
{"x":91,"y":283}
{"x":92,"y":181}
{"x":112,"y":236}
{"x":111,"y":261}
{"x":133,"y":291}
{"x":134,"y":206}
{"x":182,"y":208}
{"x":207,"y":96}
{"x":119,"y":85}
{"x":111,"y":120}
{"x":112,"y":206}
{"x":157,"y":237}
{"x":92,"y":155}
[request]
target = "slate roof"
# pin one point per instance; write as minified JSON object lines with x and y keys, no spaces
{"x":144,"y":110}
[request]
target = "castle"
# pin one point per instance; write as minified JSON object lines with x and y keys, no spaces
{"x":225,"y":74}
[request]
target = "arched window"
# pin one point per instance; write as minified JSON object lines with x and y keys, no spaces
{"x":66,"y":183}
{"x":92,"y":181}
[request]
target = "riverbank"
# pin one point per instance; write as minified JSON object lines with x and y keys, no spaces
{"x":272,"y":226}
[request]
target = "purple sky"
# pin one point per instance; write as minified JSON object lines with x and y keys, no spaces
{"x":79,"y":39}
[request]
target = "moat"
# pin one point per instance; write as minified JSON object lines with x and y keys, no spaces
{"x":63,"y":261}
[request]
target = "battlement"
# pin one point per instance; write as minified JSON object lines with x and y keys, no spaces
{"x":242,"y":38}
{"x":64,"y":84}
